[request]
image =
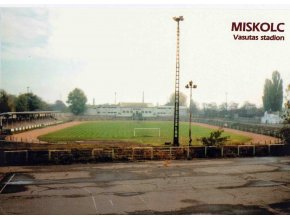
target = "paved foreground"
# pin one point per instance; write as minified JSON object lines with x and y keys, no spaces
{"x":224,"y":186}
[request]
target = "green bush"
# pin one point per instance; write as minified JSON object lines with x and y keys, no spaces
{"x":285,"y":133}
{"x":215,"y":139}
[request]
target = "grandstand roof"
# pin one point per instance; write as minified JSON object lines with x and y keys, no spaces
{"x":27,"y":112}
{"x":135,"y":104}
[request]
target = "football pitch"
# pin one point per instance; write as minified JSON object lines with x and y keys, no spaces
{"x":146,"y":132}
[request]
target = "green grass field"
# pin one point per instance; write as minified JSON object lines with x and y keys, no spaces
{"x":124,"y":131}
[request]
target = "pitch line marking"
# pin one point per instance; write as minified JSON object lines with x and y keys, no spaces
{"x":7,"y":183}
{"x":140,"y":198}
{"x":94,"y":202}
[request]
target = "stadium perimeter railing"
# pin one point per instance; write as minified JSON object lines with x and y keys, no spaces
{"x":27,"y":154}
{"x":264,"y":129}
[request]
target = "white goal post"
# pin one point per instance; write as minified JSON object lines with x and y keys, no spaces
{"x":146,"y":129}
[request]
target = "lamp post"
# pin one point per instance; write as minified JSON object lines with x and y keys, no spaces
{"x":190,"y":86}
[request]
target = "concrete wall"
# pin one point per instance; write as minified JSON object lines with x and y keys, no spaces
{"x":10,"y":156}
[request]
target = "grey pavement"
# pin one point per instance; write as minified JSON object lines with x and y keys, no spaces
{"x":216,"y":186}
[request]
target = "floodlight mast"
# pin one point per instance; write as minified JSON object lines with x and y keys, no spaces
{"x":176,"y":94}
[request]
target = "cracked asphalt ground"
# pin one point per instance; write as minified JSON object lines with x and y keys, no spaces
{"x":220,"y":186}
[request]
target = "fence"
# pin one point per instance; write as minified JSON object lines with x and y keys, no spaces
{"x":66,"y":156}
{"x":263,"y":129}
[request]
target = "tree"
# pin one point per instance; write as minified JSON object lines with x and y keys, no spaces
{"x":223,"y":110}
{"x":194,"y":107}
{"x":233,"y":106}
{"x":273,"y":93}
{"x":22,"y":103}
{"x":4,"y":101}
{"x":210,"y":109}
{"x":44,"y":106}
{"x":285,"y":133}
{"x":30,"y":102}
{"x":12,"y":102}
{"x":286,"y":114}
{"x":223,"y":107}
{"x":59,"y":106}
{"x":182,"y":99}
{"x":250,"y":110}
{"x":77,"y":101}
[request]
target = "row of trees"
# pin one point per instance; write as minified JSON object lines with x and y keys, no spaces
{"x":272,"y":102}
{"x":22,"y":102}
{"x":231,"y":110}
{"x":31,"y":102}
{"x":27,"y":102}
{"x":212,"y":109}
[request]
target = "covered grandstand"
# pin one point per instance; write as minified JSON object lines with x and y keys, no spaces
{"x":11,"y":122}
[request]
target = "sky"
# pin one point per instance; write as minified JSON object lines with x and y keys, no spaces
{"x":131,"y":49}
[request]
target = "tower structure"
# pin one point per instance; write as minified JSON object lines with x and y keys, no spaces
{"x":176,"y":93}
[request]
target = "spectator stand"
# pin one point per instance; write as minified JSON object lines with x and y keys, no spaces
{"x":12,"y":122}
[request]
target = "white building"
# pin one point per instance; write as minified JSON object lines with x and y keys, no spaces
{"x":271,"y":118}
{"x":134,"y":110}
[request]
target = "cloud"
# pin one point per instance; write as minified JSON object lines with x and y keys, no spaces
{"x":28,"y":57}
{"x":24,"y":32}
{"x":129,"y":50}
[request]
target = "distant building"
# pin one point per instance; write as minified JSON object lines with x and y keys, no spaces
{"x":134,"y":110}
{"x":271,"y":118}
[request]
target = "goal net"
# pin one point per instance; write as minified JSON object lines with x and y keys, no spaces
{"x":146,"y":132}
